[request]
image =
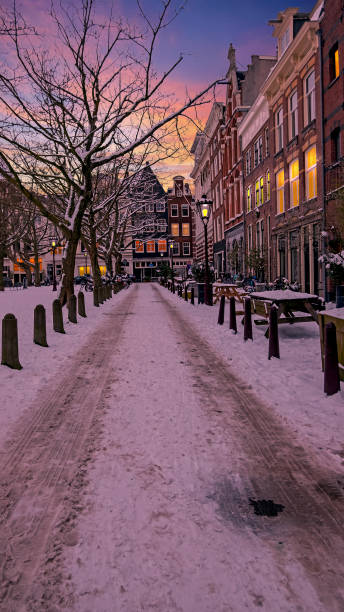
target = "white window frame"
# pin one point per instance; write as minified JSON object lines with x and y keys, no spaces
{"x":293,"y":115}
{"x":160,"y":207}
{"x":185,"y":207}
{"x":174,"y":208}
{"x":309,"y":98}
{"x":188,"y":245}
{"x":279,"y":128}
{"x":291,"y":183}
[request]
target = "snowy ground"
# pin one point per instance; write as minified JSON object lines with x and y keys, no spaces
{"x":135,"y":464}
{"x":40,"y":365}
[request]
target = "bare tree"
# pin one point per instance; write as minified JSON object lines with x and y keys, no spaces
{"x":80,"y":107}
{"x":14,"y":218}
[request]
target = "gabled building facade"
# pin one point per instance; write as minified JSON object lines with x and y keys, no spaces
{"x":293,"y":92}
{"x":180,"y":224}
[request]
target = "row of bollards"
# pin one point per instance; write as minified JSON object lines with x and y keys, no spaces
{"x":10,"y":353}
{"x":331,"y":367}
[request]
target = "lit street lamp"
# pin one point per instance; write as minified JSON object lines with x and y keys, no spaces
{"x":204,"y":210}
{"x":171,"y":246}
{"x":53,"y":244}
{"x":85,"y":255}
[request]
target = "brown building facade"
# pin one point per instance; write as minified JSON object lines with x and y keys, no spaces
{"x":181,"y":224}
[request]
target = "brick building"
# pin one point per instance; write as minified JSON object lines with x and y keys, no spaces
{"x":180,"y":224}
{"x":216,"y":144}
{"x":332,"y":33}
{"x":294,"y":96}
{"x":242,"y":90}
{"x":254,"y":134}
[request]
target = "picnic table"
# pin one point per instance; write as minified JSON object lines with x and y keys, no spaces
{"x":290,"y":305}
{"x":228,"y":290}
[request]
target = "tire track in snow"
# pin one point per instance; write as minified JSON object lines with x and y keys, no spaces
{"x":43,"y":457}
{"x":275,"y":467}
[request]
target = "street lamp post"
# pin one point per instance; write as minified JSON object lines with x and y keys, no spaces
{"x":171,"y":245}
{"x":53,"y":244}
{"x":85,"y":255}
{"x":204,"y":210}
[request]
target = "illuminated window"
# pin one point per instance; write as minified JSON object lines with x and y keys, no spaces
{"x":162,"y":246}
{"x":139,"y":248}
{"x":279,"y":129}
{"x":311,"y":173}
{"x":293,"y":116}
{"x":150,"y":246}
{"x":186,"y":229}
{"x":309,"y":91}
{"x":175,"y":229}
{"x":280,"y":191}
{"x":294,"y":182}
{"x":334,"y":62}
{"x":102,"y":270}
{"x":249,"y":199}
{"x":257,"y":189}
{"x":268,"y":189}
{"x":261,"y":186}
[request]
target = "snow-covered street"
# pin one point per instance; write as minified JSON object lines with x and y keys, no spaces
{"x":126,"y":481}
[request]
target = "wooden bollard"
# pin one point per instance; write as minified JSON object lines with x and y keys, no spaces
{"x":331,"y":370}
{"x":100,"y":295}
{"x":105,"y":297}
{"x":186,"y":294}
{"x":273,"y":333}
{"x":232,"y":315}
{"x":248,"y":320}
{"x":58,"y":317}
{"x":109,"y":292}
{"x":81,"y":304}
{"x":221,"y":316}
{"x":9,"y":353}
{"x":72,"y":309}
{"x":95,"y":297}
{"x":39,"y":326}
{"x":192,"y":296}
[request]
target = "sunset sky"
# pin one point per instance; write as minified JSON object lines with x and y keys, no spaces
{"x":202,"y":32}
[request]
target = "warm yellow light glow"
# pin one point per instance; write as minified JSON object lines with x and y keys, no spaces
{"x":53,"y":243}
{"x":204,"y":212}
{"x":336,"y":64}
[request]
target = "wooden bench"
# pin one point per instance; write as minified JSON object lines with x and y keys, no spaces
{"x":260,"y":308}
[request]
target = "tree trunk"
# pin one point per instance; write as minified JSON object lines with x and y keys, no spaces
{"x":68,"y":265}
{"x":28,"y":273}
{"x":37,"y":270}
{"x":93,"y":251}
{"x":108,"y":261}
{"x":2,"y":288}
{"x":118,"y":263}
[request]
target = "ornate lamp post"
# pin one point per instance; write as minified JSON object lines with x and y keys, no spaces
{"x":204,"y":207}
{"x":53,"y":244}
{"x":171,"y":246}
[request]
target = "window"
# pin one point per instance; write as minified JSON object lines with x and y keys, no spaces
{"x":186,"y":248}
{"x":261,"y":185}
{"x":267,"y":142}
{"x":256,"y":153}
{"x":162,"y":246}
{"x":279,"y":129}
{"x":280,"y":191}
{"x":185,"y":229}
{"x":268,"y":188}
{"x":248,"y":161}
{"x":285,"y":40}
{"x":249,"y":238}
{"x":150,"y":207}
{"x":309,"y":87}
{"x":334,"y":63}
{"x":294,"y":182}
{"x":311,"y":173}
{"x":160,"y":207}
{"x":175,"y":229}
{"x":175,"y":248}
{"x":293,"y":128}
{"x":161,"y":226}
{"x":150,"y":246}
{"x":335,"y":145}
{"x":149,"y":229}
{"x":139,"y":248}
{"x":174,"y":210}
{"x":185,"y":210}
{"x":257,"y":190}
{"x":260,"y":149}
{"x":249,"y":199}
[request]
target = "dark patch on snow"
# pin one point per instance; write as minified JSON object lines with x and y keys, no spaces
{"x":333,"y":488}
{"x":266,"y":507}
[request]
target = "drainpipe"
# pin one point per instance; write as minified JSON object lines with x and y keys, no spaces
{"x":322,"y":144}
{"x":243,"y":204}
